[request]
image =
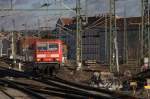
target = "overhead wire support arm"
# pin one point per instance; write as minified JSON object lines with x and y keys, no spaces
{"x":33,"y":9}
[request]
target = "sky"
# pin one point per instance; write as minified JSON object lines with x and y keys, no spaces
{"x":35,"y":19}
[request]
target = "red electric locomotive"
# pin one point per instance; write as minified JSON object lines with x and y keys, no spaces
{"x":43,"y":55}
{"x":48,"y":55}
{"x":48,"y":51}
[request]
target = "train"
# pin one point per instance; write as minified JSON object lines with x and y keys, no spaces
{"x":46,"y":55}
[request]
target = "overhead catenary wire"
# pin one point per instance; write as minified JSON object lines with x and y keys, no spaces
{"x":95,"y":22}
{"x":100,"y":23}
{"x":33,"y":9}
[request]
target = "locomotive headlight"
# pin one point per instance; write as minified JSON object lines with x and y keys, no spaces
{"x":57,"y":59}
{"x":38,"y":59}
{"x":41,"y":55}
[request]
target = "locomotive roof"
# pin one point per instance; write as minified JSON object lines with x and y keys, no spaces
{"x":49,"y":40}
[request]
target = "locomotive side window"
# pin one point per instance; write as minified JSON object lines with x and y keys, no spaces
{"x":53,"y":47}
{"x":42,"y":46}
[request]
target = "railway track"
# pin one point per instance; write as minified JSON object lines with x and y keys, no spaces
{"x":55,"y":89}
{"x":36,"y":91}
{"x":7,"y":94}
{"x":58,"y":87}
{"x":8,"y":83}
{"x":61,"y":91}
{"x":79,"y":91}
{"x":88,"y":89}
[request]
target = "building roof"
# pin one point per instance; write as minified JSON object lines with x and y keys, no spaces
{"x":67,"y":21}
{"x":99,"y":21}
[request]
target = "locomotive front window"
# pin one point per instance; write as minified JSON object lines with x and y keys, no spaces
{"x":53,"y":47}
{"x":41,"y":46}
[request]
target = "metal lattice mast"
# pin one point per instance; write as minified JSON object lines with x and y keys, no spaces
{"x":78,"y":34}
{"x":145,"y":35}
{"x":125,"y":54}
{"x":106,"y":39}
{"x":112,"y":35}
{"x":13,"y":38}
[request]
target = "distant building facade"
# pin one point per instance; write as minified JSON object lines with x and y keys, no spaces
{"x":95,"y":38}
{"x":5,"y":46}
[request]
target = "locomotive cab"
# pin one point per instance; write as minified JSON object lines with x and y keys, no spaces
{"x":48,"y":55}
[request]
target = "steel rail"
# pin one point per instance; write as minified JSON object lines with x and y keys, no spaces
{"x":64,"y":93}
{"x":21,"y":88}
{"x":100,"y":95}
{"x":114,"y":94}
{"x":11,"y":97}
{"x":79,"y":85}
{"x":48,"y":91}
{"x":80,"y":88}
{"x":18,"y":73}
{"x":57,"y":89}
{"x":60,"y":94}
